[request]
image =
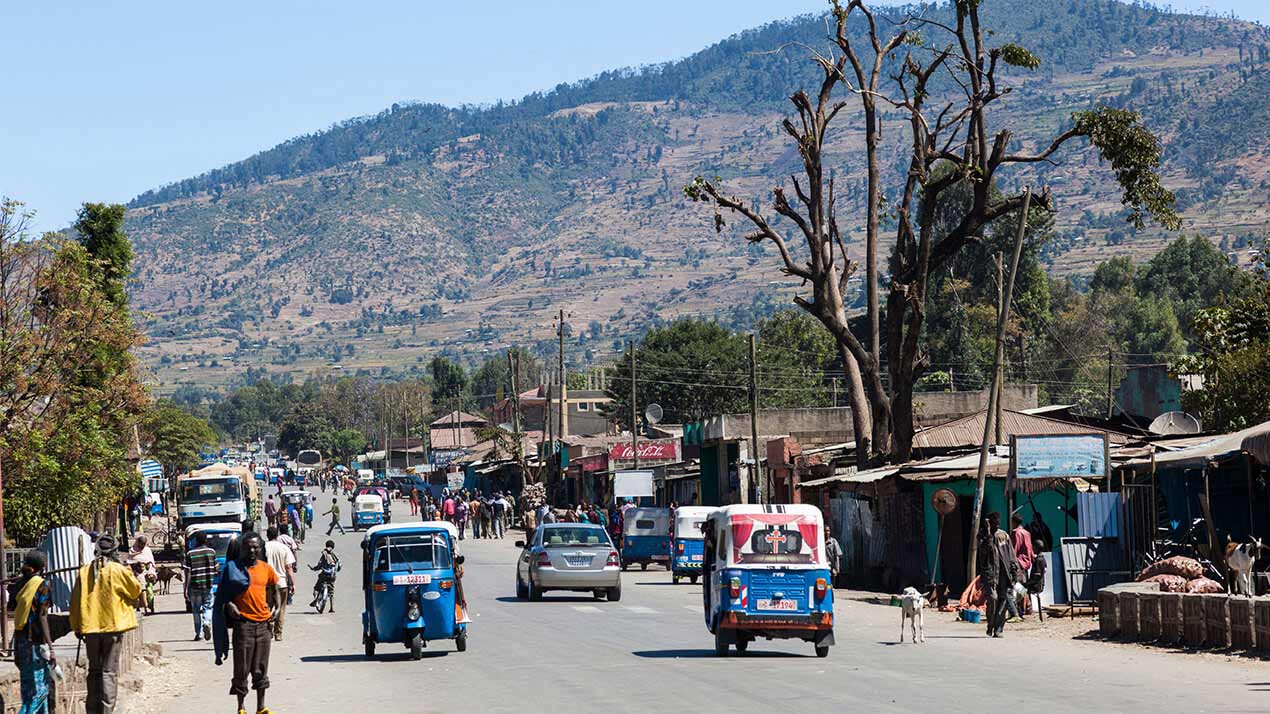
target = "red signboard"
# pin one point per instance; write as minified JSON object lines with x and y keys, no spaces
{"x":588,"y":464}
{"x":648,"y":451}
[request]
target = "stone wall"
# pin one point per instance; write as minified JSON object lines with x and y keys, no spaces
{"x":1138,"y":612}
{"x":69,"y":694}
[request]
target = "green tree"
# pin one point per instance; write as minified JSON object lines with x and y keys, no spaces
{"x":1192,"y":274}
{"x":174,"y":437}
{"x":796,"y":355}
{"x":448,"y":381}
{"x":304,"y":427}
{"x":344,"y":444}
{"x":99,"y":228}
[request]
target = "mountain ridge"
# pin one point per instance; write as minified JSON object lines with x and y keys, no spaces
{"x":424,"y":216}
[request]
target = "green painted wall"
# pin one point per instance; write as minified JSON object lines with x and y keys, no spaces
{"x":710,"y":476}
{"x":1051,"y":504}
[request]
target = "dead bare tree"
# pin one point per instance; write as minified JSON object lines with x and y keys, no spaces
{"x":950,"y":141}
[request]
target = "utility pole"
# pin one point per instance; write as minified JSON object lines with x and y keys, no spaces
{"x":1000,"y":259}
{"x":405,"y":410}
{"x":513,"y":366}
{"x":758,"y":475}
{"x":1108,"y":382}
{"x":994,"y":393}
{"x":634,"y":412}
{"x":564,"y":417}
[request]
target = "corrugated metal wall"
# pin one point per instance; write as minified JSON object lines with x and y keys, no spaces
{"x":1098,"y":514}
{"x":883,"y":540}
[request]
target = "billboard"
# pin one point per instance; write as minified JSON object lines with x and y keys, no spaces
{"x":648,"y":451}
{"x":1060,"y":456}
{"x":632,"y":484}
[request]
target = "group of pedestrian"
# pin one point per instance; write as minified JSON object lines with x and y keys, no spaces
{"x":488,"y":515}
{"x":1010,"y":566}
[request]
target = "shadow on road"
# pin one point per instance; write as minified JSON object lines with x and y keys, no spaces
{"x":709,"y":653}
{"x":351,"y":657}
{"x":548,"y":599}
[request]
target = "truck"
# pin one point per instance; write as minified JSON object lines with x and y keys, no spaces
{"x":214,"y":495}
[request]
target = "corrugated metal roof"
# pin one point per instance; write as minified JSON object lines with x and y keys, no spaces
{"x":967,"y":432}
{"x":852,"y":476}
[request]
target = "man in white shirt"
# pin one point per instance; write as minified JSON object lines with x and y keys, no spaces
{"x":282,"y":559}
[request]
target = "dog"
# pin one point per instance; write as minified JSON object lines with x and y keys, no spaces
{"x":1240,"y":557}
{"x":911,"y":604}
{"x":165,"y":575}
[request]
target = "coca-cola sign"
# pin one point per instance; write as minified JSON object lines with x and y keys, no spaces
{"x":648,"y":451}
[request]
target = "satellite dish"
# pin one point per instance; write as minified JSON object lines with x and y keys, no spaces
{"x":1173,"y":423}
{"x":944,"y":501}
{"x":653,"y":413}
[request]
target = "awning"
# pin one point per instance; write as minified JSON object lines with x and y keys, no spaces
{"x":1255,"y":440}
{"x":150,"y":469}
{"x":852,"y":476}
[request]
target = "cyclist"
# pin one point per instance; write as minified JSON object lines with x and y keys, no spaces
{"x":327,"y":567}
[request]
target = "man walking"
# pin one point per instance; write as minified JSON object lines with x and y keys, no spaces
{"x":334,"y":513}
{"x":998,"y":571}
{"x":250,"y":613}
{"x":201,"y":571}
{"x":282,"y":559}
{"x":501,"y":507}
{"x":103,"y":608}
{"x":833,"y":553}
{"x":271,"y":511}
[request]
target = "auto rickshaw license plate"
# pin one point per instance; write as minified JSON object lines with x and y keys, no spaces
{"x":777,"y":605}
{"x":412,"y":579}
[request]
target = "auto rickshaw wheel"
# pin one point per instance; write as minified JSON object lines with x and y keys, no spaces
{"x":370,"y":646}
{"x":674,"y":579}
{"x":822,"y":650}
{"x":460,"y":641}
{"x":416,"y":646}
{"x":694,"y":579}
{"x":643,"y":566}
{"x":741,"y":645}
{"x":720,"y":642}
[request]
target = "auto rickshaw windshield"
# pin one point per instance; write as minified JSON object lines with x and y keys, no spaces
{"x":421,"y":551}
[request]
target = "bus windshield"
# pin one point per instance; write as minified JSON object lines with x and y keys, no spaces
{"x":211,"y":491}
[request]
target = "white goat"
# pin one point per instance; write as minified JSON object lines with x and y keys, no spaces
{"x":911,"y":605}
{"x":1240,"y":558}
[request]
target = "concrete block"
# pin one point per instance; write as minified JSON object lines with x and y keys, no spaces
{"x":1261,"y":615}
{"x":1243,"y":635}
{"x":1128,"y":614}
{"x":1149,"y":625}
{"x":1109,"y":613}
{"x":1194,"y":631}
{"x":1170,"y":618}
{"x":1216,"y":620}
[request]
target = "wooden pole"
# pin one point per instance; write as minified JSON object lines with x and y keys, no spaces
{"x":1108,"y":382}
{"x":994,"y":393}
{"x":4,"y":576}
{"x":634,"y":414}
{"x":1000,"y":376}
{"x":758,"y":475}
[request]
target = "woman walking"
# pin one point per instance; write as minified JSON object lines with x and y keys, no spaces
{"x":33,"y":648}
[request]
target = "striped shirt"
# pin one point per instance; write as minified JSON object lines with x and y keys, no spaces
{"x":201,"y":564}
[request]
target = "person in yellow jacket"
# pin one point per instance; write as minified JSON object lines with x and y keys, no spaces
{"x":103,"y":608}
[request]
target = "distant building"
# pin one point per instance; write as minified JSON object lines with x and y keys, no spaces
{"x":540,"y":411}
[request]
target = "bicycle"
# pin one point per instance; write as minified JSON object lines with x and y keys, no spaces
{"x":324,"y":590}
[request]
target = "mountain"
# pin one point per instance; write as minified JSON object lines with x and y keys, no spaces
{"x":383,"y":239}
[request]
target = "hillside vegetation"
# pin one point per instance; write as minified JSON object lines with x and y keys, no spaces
{"x":423,"y":228}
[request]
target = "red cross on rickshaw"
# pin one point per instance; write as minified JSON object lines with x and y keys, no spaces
{"x":775,"y":537}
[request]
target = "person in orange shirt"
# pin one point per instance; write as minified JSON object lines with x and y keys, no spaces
{"x":252,"y":613}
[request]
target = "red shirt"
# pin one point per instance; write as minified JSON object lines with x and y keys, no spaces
{"x":1022,"y":542}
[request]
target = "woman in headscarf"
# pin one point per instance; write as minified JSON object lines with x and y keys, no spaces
{"x":32,"y":645}
{"x":141,"y":558}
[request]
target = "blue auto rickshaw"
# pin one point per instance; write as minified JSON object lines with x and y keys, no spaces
{"x":410,"y":575}
{"x":217,"y":537}
{"x":686,"y":551}
{"x":646,"y":537}
{"x":368,"y":511}
{"x":765,"y":574}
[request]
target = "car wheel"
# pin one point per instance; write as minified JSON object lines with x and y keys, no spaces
{"x":535,"y":593}
{"x":720,"y":642}
{"x":615,"y":593}
{"x":598,"y":594}
{"x":522,"y":592}
{"x":822,"y":650}
{"x":416,"y":646}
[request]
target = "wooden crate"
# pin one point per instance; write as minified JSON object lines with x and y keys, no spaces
{"x":1216,"y":620}
{"x":1193,"y":627}
{"x":1128,"y":600}
{"x":1149,"y":625}
{"x":1243,"y":634}
{"x":1108,"y":613}
{"x":1170,"y":618}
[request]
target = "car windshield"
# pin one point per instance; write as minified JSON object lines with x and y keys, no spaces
{"x":574,"y":536}
{"x":210,"y":491}
{"x":419,"y":551}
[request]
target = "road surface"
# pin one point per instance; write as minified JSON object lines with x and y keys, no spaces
{"x":650,"y":652}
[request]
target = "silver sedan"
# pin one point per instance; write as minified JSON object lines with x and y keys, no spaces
{"x":569,"y":556}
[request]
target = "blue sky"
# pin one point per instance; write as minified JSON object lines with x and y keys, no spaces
{"x":107,"y":98}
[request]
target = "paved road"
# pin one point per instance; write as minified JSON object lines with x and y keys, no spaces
{"x":651,"y":652}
